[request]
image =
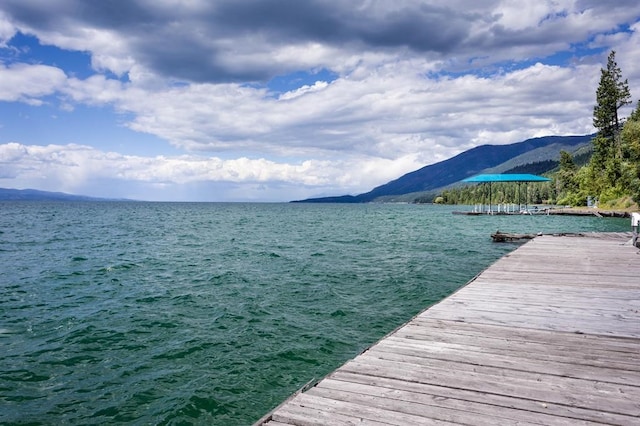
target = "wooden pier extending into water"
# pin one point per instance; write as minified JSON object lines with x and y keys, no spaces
{"x":549,"y":334}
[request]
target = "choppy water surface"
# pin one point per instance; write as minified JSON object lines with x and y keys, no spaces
{"x":152,"y":313}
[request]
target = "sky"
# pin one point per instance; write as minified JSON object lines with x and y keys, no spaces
{"x":279,"y":100}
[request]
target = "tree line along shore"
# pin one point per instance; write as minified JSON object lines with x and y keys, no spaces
{"x":606,"y":176}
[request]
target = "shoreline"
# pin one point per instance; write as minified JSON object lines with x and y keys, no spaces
{"x":559,"y":211}
{"x":572,"y":211}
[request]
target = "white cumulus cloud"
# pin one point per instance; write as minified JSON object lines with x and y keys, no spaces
{"x":410,"y":83}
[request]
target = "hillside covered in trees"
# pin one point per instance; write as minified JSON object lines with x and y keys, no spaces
{"x":608,"y":172}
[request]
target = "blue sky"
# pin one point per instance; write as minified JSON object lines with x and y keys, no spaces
{"x":276,"y":100}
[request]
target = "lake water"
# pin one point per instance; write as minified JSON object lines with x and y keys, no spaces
{"x":172,"y":313}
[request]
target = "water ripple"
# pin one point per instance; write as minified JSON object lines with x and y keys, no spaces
{"x":152,"y":313}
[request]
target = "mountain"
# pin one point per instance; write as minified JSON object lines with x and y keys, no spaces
{"x":481,"y":159}
{"x":35,"y":195}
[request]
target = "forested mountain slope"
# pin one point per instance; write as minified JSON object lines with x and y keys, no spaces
{"x":481,"y":159}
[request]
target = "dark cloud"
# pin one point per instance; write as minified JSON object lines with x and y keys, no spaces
{"x":281,"y":19}
{"x":418,"y":26}
{"x":216,"y":41}
{"x":422,"y":29}
{"x":183,"y":43}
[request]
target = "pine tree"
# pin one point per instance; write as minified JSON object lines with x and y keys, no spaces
{"x":566,"y":161}
{"x":605,"y":167}
{"x":611,"y":95}
{"x":630,"y":147}
{"x":566,"y":176}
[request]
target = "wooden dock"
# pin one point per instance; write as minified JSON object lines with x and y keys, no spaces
{"x":548,"y":335}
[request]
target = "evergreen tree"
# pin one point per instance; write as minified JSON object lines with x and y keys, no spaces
{"x":566,"y":162}
{"x":605,"y":170}
{"x":611,"y":95}
{"x":630,"y":147}
{"x":566,"y":176}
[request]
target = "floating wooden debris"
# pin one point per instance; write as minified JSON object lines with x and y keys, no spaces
{"x":502,"y":237}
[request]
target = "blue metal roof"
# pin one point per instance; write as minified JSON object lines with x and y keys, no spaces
{"x":508,"y":177}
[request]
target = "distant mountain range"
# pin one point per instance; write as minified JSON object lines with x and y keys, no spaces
{"x":538,"y":155}
{"x":35,"y":195}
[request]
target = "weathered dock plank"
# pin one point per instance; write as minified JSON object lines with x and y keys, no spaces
{"x":549,"y":334}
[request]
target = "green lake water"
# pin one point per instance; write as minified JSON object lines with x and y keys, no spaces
{"x":178,"y":313}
